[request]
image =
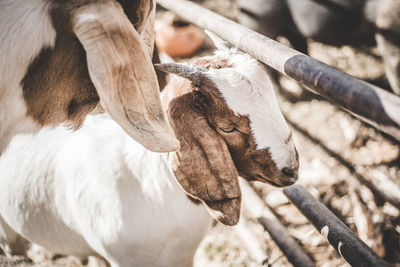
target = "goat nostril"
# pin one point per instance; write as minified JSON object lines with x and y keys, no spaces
{"x":288,"y":172}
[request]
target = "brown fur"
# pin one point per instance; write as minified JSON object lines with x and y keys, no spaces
{"x":210,"y":159}
{"x":205,"y":169}
{"x":57,"y":86}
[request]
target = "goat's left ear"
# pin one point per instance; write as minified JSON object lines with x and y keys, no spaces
{"x":203,"y":166}
{"x":120,"y":68}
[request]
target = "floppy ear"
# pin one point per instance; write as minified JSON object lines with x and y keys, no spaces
{"x":120,"y":68}
{"x":203,"y":166}
{"x":147,"y":31}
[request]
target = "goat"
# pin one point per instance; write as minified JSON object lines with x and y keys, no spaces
{"x":59,"y":58}
{"x":98,"y":192}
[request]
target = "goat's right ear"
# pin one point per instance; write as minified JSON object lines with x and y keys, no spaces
{"x":121,"y":70}
{"x":203,"y":166}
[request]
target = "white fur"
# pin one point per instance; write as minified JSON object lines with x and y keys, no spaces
{"x":113,"y":198}
{"x":25,"y":28}
{"x":87,"y":18}
{"x":247,"y":89}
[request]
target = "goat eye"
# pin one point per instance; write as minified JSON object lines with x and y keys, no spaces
{"x":228,"y":130}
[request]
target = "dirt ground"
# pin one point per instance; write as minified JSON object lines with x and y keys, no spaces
{"x":334,"y":148}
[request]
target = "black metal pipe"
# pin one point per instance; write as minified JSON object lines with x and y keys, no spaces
{"x":369,"y":103}
{"x":287,"y":244}
{"x":257,"y":208}
{"x":349,"y":246}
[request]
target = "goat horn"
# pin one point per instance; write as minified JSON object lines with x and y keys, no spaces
{"x":194,"y":73}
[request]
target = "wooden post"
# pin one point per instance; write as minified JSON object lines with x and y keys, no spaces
{"x":369,"y":103}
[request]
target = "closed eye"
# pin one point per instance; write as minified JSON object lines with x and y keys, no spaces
{"x":228,"y":130}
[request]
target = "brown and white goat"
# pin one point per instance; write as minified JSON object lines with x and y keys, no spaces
{"x":59,"y":58}
{"x":116,"y":199}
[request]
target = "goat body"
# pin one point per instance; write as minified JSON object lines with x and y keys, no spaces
{"x":114,"y":199}
{"x":17,"y":52}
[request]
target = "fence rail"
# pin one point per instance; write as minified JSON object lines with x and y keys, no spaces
{"x":371,"y":104}
{"x":349,"y":246}
{"x":257,"y":209}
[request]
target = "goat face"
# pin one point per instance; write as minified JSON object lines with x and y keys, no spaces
{"x":252,"y":125}
{"x":229,"y":124}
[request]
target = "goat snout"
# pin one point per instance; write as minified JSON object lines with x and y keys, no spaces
{"x":288,"y":172}
{"x":289,"y":176}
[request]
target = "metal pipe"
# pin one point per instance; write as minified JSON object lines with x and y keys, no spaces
{"x":382,"y":188}
{"x":369,"y":103}
{"x":293,"y":252}
{"x":349,"y":246}
{"x":256,"y":207}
